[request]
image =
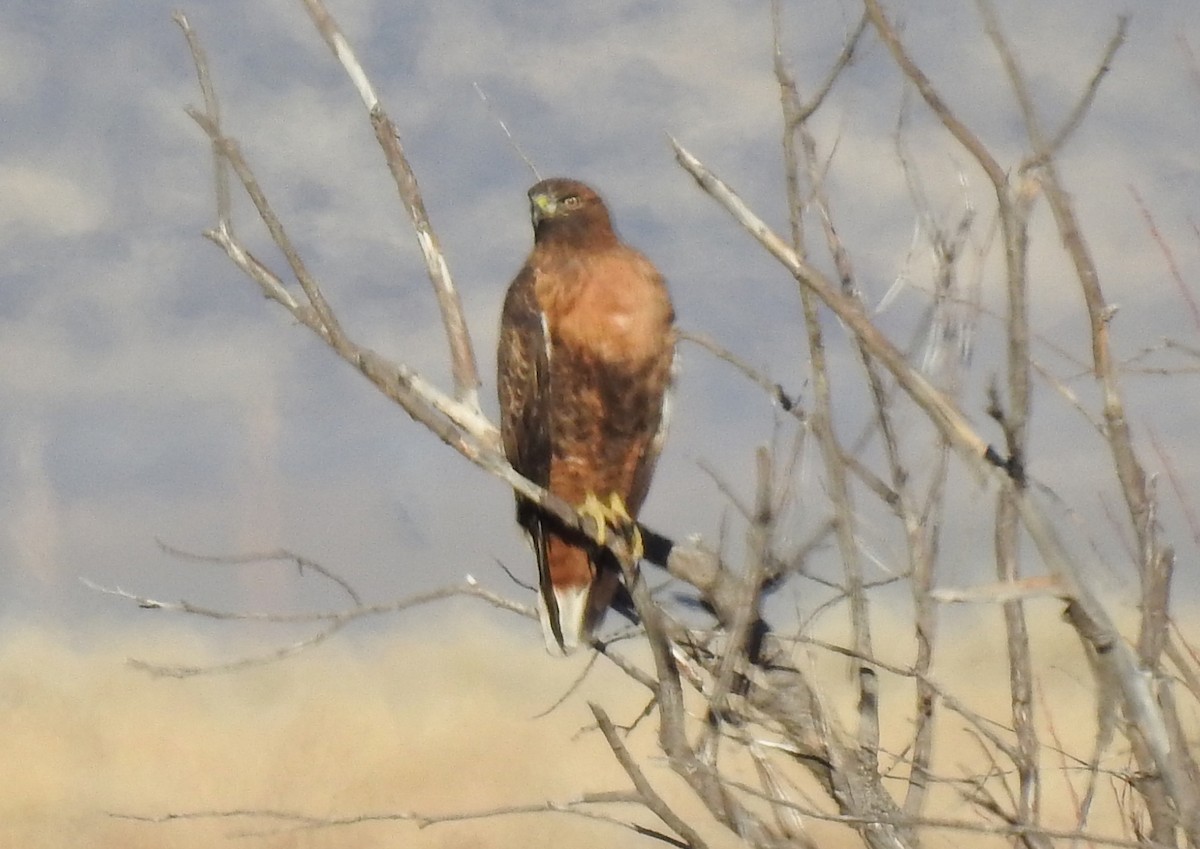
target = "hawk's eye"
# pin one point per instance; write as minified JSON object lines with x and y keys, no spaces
{"x":571,"y":201}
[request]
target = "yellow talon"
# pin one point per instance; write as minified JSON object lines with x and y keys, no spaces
{"x":636,"y":549}
{"x":633,"y":534}
{"x":619,"y":515}
{"x":614,"y":514}
{"x":617,"y":510}
{"x":595,"y":509}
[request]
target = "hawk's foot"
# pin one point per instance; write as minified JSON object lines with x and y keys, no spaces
{"x":594,"y":509}
{"x":615,"y":515}
{"x":625,"y":525}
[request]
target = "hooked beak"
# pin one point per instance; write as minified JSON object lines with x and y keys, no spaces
{"x":542,"y":206}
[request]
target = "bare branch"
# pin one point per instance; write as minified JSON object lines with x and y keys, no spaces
{"x":971,"y":142}
{"x":654,"y":802}
{"x":462,"y":355}
{"x":1092,"y":620}
{"x":741,"y":644}
{"x":323,"y":321}
{"x":789,"y":403}
{"x":1185,"y":292}
{"x":845,"y":57}
{"x":332,"y":622}
{"x":213,"y":110}
{"x":1004,"y":592}
{"x":306,"y":822}
{"x":940,"y":409}
{"x":302,"y":563}
{"x":1077,"y":114}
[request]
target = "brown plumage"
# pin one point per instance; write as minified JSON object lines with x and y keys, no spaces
{"x":586,"y":350}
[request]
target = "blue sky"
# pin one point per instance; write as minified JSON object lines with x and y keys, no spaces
{"x":150,"y":392}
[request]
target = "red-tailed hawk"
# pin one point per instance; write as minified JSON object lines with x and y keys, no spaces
{"x":586,"y":349}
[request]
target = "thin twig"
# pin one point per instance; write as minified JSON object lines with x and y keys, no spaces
{"x":790,"y":403}
{"x":512,"y":142}
{"x":332,"y":622}
{"x":1076,"y":116}
{"x":1185,"y":292}
{"x":965,"y":137}
{"x":211,"y":108}
{"x":308,"y":822}
{"x":302,"y":563}
{"x":649,"y":797}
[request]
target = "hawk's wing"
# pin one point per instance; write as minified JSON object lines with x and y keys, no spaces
{"x":523,"y":378}
{"x":649,"y":460}
{"x":523,"y":374}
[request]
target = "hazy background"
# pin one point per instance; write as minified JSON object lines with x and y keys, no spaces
{"x":391,"y":724}
{"x":149,"y":392}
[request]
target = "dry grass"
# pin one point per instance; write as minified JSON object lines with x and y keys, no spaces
{"x":386,"y":724}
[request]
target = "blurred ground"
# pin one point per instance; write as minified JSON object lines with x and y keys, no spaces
{"x":437,"y":721}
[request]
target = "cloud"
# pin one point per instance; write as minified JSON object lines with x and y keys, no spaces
{"x":46,"y":203}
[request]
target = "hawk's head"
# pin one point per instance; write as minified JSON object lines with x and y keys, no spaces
{"x":568,"y":211}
